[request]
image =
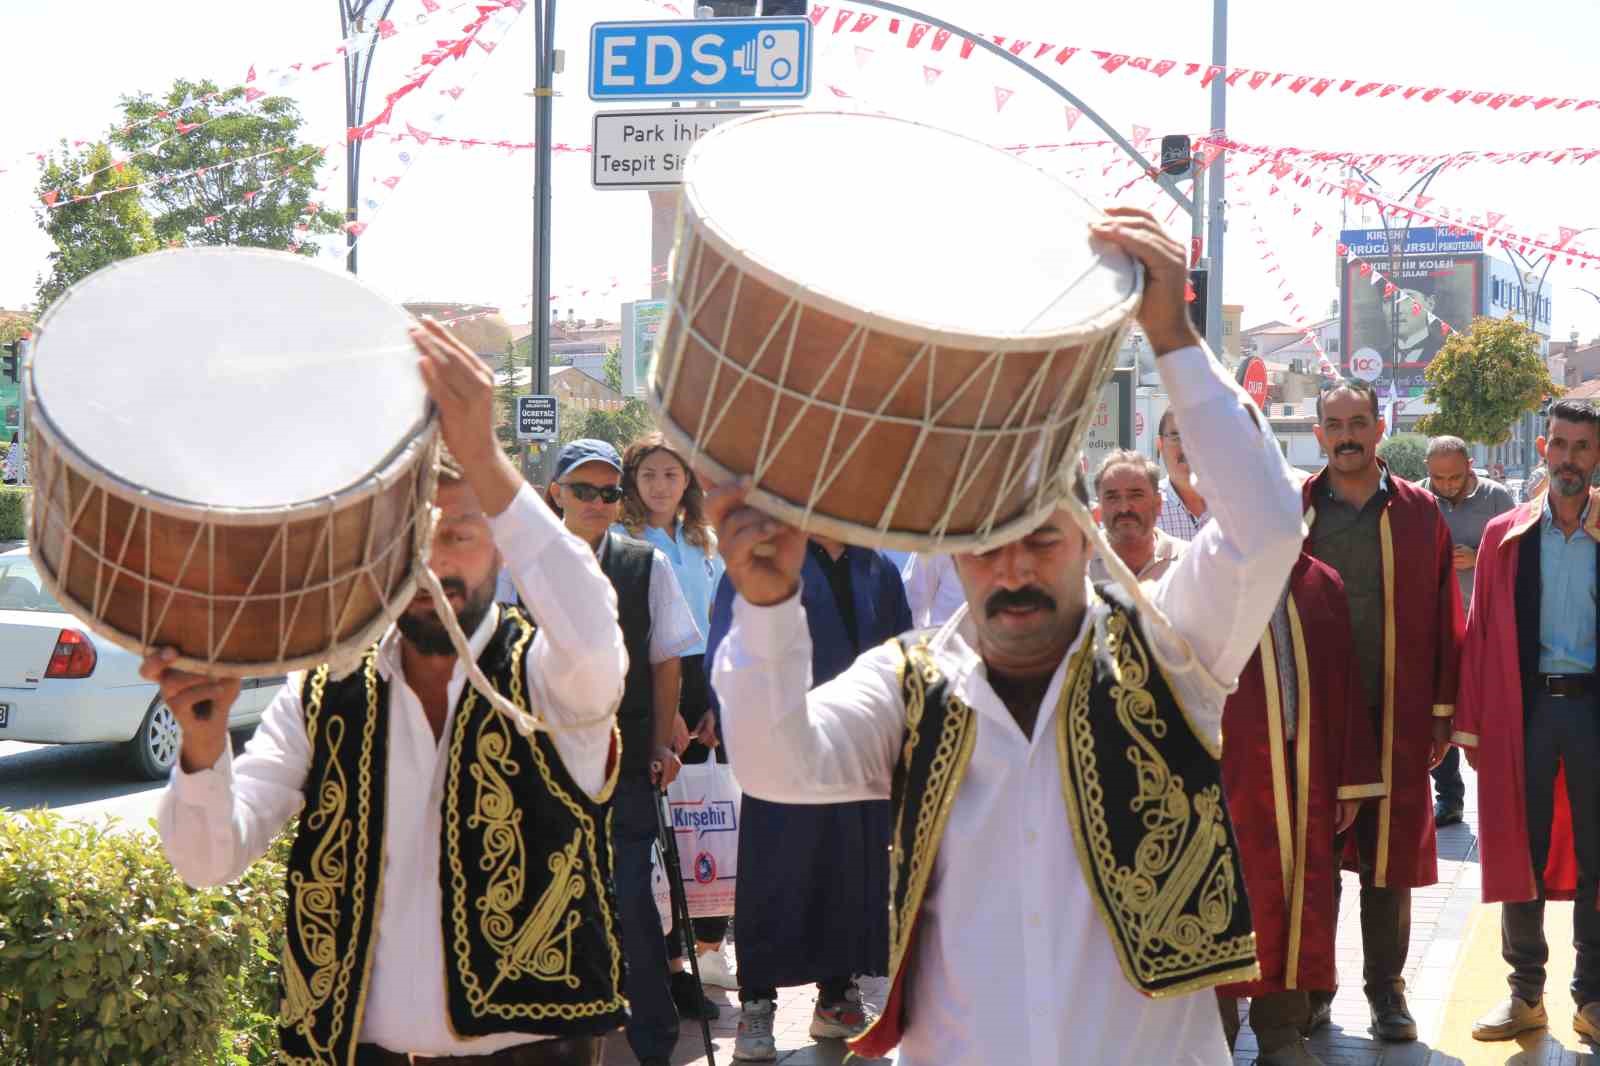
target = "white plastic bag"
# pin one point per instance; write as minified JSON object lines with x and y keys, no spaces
{"x":661,"y":888}
{"x":704,"y":799}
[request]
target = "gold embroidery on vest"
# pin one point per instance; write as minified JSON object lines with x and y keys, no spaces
{"x":336,"y":880}
{"x":1182,"y":853}
{"x":496,"y":815}
{"x":945,"y":773}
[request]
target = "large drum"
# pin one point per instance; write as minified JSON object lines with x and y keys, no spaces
{"x":230,"y":452}
{"x":900,"y":334}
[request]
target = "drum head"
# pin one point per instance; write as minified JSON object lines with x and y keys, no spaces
{"x":231,"y":377}
{"x":907,"y":223}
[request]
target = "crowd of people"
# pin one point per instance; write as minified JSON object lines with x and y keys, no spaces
{"x":998,"y":778}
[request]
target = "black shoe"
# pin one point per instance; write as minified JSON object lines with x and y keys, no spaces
{"x":1446,"y":814}
{"x":1321,"y":1015}
{"x":655,"y":1060}
{"x":1391,"y":1020}
{"x":691,"y":1002}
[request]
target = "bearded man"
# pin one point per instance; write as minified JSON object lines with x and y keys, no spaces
{"x":427,"y":918}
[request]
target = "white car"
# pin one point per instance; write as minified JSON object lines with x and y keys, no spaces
{"x":59,"y":684}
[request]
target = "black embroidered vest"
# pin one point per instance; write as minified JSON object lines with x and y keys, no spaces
{"x":1144,"y":801}
{"x":524,"y":872}
{"x":627,"y":563}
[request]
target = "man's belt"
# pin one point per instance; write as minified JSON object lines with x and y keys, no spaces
{"x":571,"y":1051}
{"x":1567,"y":686}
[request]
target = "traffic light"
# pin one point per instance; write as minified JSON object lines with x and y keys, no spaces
{"x":10,"y":360}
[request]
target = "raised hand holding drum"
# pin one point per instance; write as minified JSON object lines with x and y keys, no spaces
{"x":899,"y":334}
{"x":231,"y":450}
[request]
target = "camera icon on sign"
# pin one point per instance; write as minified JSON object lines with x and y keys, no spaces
{"x":774,"y":59}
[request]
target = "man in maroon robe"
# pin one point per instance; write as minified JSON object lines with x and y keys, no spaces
{"x":1298,"y":758}
{"x":1390,"y":545}
{"x":1530,"y":725}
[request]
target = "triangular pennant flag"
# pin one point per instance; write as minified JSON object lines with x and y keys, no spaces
{"x":930,"y":75}
{"x":250,"y":75}
{"x":918,"y":31}
{"x":940,"y":37}
{"x":863,"y":22}
{"x":863,"y":56}
{"x":1001,"y":95}
{"x":1567,"y":233}
{"x":842,"y":17}
{"x":1073,"y":115}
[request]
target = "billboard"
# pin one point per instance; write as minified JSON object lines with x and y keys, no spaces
{"x":641,"y":324}
{"x":1436,"y":272}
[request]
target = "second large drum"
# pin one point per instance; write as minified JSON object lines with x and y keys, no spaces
{"x":899,"y":333}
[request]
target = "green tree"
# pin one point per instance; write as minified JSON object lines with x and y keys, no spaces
{"x":111,"y":224}
{"x":505,"y":402}
{"x":208,"y":169}
{"x":14,"y":326}
{"x":619,"y":427}
{"x":259,"y":182}
{"x":1485,"y":379}
{"x":1406,"y":454}
{"x":613,"y":367}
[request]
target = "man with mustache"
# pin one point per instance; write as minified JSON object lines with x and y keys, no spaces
{"x":1183,"y":510}
{"x":415,"y":894}
{"x":657,"y":629}
{"x":1529,"y":722}
{"x":1391,"y":547}
{"x":1129,"y":488}
{"x":1063,"y":874}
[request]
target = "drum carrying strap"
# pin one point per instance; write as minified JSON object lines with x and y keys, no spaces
{"x":526,"y":723}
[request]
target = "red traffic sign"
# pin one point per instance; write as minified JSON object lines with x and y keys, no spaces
{"x":1253,"y":376}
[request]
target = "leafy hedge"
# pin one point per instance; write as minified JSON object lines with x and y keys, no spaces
{"x":14,"y":512}
{"x":106,"y":957}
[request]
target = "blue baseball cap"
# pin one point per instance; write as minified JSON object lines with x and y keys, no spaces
{"x":587,"y":450}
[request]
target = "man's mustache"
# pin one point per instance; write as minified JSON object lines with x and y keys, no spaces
{"x":1348,"y":447}
{"x":1127,"y":514}
{"x":1017,"y":599}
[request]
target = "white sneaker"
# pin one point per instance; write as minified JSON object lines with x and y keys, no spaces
{"x":754,"y":1042}
{"x":717,"y":969}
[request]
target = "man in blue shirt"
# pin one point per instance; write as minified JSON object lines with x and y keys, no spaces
{"x":1533,"y":635}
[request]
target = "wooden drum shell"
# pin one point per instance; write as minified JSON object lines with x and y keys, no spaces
{"x":238,"y":591}
{"x":924,"y":441}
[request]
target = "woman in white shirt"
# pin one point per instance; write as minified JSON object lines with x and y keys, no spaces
{"x":662,"y":504}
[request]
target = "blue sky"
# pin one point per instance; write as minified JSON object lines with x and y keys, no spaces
{"x":459,"y":225}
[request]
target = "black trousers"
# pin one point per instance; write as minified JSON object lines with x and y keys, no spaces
{"x":1447,"y":783}
{"x":1557,"y":731}
{"x":652,"y":1015}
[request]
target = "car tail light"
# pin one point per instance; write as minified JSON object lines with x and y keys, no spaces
{"x":74,"y":656}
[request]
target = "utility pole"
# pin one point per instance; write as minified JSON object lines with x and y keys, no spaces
{"x":1216,"y":224}
{"x":357,"y":71}
{"x":544,"y":60}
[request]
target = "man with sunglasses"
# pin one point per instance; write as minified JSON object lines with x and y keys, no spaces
{"x":657,"y":629}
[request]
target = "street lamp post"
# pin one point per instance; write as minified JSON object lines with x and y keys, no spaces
{"x":357,"y":71}
{"x":544,"y":61}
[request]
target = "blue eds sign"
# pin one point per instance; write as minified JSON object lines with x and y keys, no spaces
{"x":703,"y":59}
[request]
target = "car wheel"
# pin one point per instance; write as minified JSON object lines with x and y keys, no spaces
{"x":154,"y":748}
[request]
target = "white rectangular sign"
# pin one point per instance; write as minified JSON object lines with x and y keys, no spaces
{"x":645,"y":149}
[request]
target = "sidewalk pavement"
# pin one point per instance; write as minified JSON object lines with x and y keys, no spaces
{"x":791,"y":1028}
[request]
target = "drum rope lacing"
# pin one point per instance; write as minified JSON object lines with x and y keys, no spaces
{"x":1060,"y":425}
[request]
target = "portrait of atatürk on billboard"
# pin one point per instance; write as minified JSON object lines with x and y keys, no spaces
{"x":1439,"y":281}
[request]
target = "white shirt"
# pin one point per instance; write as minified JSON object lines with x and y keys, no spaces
{"x":1012,"y":962}
{"x":216,"y":822}
{"x":1168,"y":548}
{"x":932,"y":589}
{"x":673,"y":633}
